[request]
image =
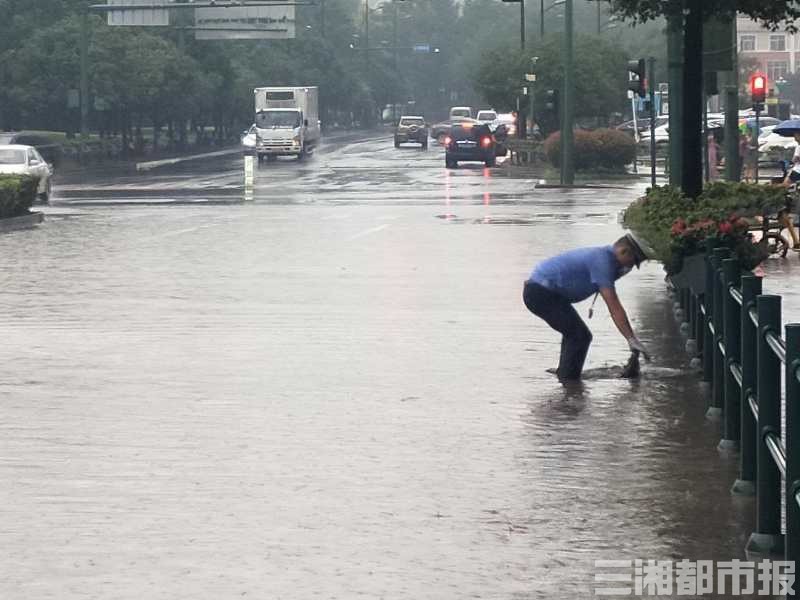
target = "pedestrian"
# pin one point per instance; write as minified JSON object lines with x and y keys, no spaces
{"x":748,"y":154}
{"x":563,"y":280}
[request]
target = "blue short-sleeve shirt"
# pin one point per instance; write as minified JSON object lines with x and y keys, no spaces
{"x":579,"y":273}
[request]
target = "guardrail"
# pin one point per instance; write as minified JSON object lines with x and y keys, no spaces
{"x":736,"y":331}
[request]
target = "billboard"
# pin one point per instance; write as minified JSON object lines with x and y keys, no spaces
{"x":139,"y":16}
{"x":244,"y":23}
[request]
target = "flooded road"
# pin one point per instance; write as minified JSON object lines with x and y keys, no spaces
{"x":333,"y":390}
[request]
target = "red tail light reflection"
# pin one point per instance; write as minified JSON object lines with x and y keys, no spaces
{"x":447,"y":140}
{"x":486,"y":142}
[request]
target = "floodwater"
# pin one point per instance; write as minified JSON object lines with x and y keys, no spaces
{"x":334,"y":391}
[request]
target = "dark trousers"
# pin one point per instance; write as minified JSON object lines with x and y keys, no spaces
{"x":558,"y":312}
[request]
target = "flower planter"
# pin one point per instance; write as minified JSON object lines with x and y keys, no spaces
{"x":692,"y":274}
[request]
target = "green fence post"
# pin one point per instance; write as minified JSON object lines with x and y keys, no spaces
{"x":792,"y":442}
{"x":745,"y":484}
{"x":767,"y":538}
{"x":731,"y":329}
{"x":717,"y":359}
{"x":708,"y":341}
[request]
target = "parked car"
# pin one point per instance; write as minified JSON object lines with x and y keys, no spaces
{"x":510,"y":122}
{"x":411,"y":129}
{"x":49,"y":149}
{"x":469,"y":142}
{"x":486,"y":116}
{"x":16,"y":159}
{"x":439,"y":131}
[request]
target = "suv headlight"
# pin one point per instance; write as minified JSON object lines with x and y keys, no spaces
{"x":296,"y":139}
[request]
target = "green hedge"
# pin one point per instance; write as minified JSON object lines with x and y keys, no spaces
{"x":17,"y":193}
{"x":606,"y":149}
{"x":676,"y":226}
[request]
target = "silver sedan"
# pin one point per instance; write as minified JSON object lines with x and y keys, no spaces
{"x":25,"y":160}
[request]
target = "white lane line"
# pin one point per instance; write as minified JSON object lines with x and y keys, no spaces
{"x":367,"y":232}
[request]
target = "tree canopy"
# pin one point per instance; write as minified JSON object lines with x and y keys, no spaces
{"x":772,"y":13}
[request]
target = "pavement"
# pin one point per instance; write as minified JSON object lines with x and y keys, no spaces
{"x":322,"y":383}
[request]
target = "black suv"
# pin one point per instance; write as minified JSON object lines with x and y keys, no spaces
{"x":468,"y":141}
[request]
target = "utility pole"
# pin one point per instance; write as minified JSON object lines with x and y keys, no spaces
{"x":394,"y":45}
{"x":522,"y":24}
{"x":733,"y":162}
{"x":541,"y":20}
{"x":675,"y":73}
{"x":568,"y":111}
{"x":84,"y":93}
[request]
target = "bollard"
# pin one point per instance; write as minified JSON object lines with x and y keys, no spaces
{"x":792,"y":441}
{"x":708,"y":341}
{"x":767,"y":539}
{"x":717,"y":359}
{"x":731,"y":325}
{"x":699,"y":329}
{"x":745,"y":485}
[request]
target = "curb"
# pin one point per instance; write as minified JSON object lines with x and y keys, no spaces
{"x":153,"y":164}
{"x":23,"y":222}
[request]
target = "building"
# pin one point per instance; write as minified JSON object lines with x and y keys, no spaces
{"x":774,"y":52}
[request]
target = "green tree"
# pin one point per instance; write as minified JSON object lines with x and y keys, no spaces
{"x":600,"y":75}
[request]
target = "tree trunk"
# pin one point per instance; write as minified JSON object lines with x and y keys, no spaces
{"x":692,"y":166}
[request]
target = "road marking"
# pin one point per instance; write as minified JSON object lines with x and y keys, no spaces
{"x":367,"y":232}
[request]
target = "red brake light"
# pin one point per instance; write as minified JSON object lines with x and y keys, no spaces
{"x":447,"y":140}
{"x":486,"y":142}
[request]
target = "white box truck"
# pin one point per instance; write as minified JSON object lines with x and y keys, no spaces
{"x":287,"y":121}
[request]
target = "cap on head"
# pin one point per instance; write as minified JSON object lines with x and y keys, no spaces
{"x":640,"y":250}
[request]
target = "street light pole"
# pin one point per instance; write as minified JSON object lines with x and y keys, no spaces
{"x":522,"y":24}
{"x":394,"y":43}
{"x":567,"y":113}
{"x":541,"y":20}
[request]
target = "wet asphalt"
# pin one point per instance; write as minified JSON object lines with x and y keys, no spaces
{"x":326,"y":386}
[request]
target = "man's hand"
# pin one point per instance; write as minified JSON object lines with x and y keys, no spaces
{"x":635,"y":344}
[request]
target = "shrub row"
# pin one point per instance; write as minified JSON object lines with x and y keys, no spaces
{"x":676,"y":226}
{"x":606,"y":149}
{"x":17,"y":193}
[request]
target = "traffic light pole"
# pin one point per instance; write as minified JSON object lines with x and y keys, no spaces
{"x":651,"y":85}
{"x":757,"y":108}
{"x":568,"y":112}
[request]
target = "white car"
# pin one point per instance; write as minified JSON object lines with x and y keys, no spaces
{"x":486,"y":116}
{"x":774,"y":140}
{"x":249,"y":140}
{"x":16,"y":159}
{"x":507,"y":119}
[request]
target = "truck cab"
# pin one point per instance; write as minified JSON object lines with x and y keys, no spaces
{"x":461,"y":112}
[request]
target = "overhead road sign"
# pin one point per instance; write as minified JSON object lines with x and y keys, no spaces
{"x":276,"y":22}
{"x":137,"y":13}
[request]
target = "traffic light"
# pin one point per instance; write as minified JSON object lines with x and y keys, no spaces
{"x":551,"y":101}
{"x":638,"y":81}
{"x":758,"y":88}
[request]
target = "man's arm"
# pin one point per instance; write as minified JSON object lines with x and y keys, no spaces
{"x":618,"y":314}
{"x":620,"y":318}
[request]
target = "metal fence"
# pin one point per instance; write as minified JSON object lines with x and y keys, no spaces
{"x":736,"y":331}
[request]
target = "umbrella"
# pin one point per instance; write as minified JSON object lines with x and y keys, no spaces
{"x":787,"y":128}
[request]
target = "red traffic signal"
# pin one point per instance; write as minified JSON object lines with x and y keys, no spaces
{"x":758,"y":87}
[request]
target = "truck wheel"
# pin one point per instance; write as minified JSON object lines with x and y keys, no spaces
{"x":303,"y":154}
{"x":424,"y":145}
{"x":396,"y":144}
